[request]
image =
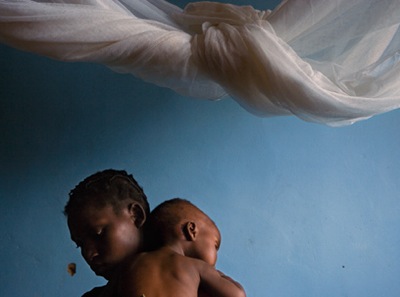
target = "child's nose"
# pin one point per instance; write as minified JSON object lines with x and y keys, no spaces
{"x":89,"y":252}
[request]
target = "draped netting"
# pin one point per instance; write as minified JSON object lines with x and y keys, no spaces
{"x":332,"y":62}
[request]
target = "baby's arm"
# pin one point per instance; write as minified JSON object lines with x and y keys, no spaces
{"x":230,"y":279}
{"x":216,"y":284}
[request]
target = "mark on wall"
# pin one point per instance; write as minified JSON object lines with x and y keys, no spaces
{"x":71,"y":268}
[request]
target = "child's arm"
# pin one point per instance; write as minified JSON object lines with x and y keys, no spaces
{"x":231,"y":279}
{"x":216,"y":284}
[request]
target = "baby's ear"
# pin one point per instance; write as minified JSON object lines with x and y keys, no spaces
{"x":190,"y":231}
{"x":137,"y":213}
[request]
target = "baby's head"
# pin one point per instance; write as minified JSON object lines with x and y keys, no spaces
{"x":106,"y":212}
{"x":179,"y":220}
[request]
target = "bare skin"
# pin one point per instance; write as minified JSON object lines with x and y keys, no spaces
{"x":182,"y":267}
{"x":106,"y":238}
{"x":110,"y":242}
{"x":174,"y":275}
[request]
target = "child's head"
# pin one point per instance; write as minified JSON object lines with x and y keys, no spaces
{"x":105,"y":214}
{"x":179,"y":220}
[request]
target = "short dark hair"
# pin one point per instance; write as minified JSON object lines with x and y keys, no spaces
{"x":163,"y":220}
{"x":107,"y":187}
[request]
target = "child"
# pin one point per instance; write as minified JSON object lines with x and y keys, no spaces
{"x":105,"y":213}
{"x":184,"y":263}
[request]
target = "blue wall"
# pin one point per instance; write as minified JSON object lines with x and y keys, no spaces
{"x":304,"y":209}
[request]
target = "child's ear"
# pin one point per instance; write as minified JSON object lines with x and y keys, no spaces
{"x":190,"y":231}
{"x":137,"y":213}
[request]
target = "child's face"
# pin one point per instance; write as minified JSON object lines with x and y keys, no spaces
{"x":105,"y":238}
{"x":208,"y":242}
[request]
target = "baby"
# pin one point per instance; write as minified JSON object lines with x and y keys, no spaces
{"x":186,"y":242}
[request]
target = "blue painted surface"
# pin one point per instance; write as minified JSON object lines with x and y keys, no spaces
{"x":304,"y":210}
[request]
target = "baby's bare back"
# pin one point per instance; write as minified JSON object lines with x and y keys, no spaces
{"x":161,"y":273}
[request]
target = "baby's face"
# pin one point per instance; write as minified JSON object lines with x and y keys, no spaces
{"x":105,"y":238}
{"x":208,"y":243}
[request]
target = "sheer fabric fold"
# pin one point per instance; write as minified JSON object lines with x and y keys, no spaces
{"x":333,"y":62}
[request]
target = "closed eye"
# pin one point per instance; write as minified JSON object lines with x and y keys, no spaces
{"x":217,"y":246}
{"x":101,"y":231}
